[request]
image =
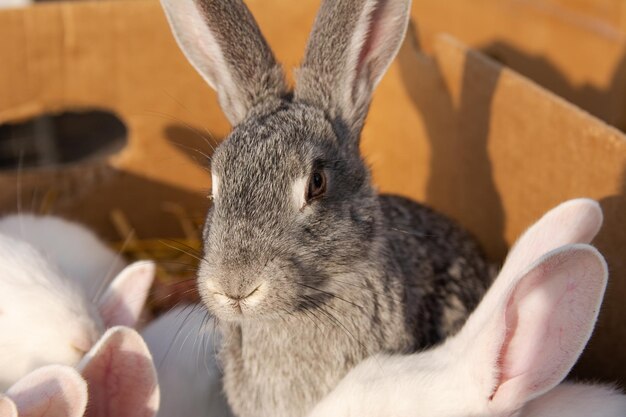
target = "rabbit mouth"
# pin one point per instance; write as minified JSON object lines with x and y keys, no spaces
{"x":240,"y":305}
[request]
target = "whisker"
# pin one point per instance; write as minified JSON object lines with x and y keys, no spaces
{"x":184,"y":251}
{"x":330,"y":294}
{"x":108,"y":277}
{"x":186,"y":109}
{"x":187,"y":125}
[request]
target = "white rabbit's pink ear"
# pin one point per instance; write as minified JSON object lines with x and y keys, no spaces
{"x":121,"y":376}
{"x":574,"y":221}
{"x":122,"y":302}
{"x":7,"y":407}
{"x":537,"y":330}
{"x":50,"y":391}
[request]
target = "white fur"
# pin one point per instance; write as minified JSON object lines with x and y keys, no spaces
{"x":515,"y":348}
{"x":118,"y":370}
{"x":76,"y":250}
{"x":298,"y":192}
{"x":183,"y":344}
{"x":215,"y":183}
{"x":256,"y":296}
{"x":46,"y":318}
{"x":578,"y":400}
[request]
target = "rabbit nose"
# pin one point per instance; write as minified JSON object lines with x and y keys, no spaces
{"x":249,"y":298}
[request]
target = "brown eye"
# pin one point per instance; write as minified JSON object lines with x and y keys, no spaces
{"x":317,"y":186}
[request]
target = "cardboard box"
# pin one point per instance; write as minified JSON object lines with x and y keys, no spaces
{"x":574,"y":48}
{"x":450,"y":128}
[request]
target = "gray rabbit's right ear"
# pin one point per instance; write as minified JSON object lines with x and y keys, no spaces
{"x":222,"y":41}
{"x":352,"y":44}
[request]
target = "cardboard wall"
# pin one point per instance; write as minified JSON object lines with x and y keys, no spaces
{"x":575,"y":48}
{"x":449,"y":127}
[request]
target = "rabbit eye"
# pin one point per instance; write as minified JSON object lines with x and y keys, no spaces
{"x":317,"y":186}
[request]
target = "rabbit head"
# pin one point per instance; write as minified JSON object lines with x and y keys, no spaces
{"x":46,"y":319}
{"x":520,"y":342}
{"x":292,"y":197}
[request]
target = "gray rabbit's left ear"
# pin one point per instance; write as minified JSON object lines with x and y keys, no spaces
{"x":222,"y":41}
{"x":352,"y":44}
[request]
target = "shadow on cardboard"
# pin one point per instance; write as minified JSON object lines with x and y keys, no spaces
{"x":608,"y":104}
{"x":458,"y":140}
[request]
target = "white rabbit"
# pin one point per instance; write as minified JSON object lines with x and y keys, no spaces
{"x":46,"y":318}
{"x":183,"y":344}
{"x":118,"y":379}
{"x":518,"y":345}
{"x":76,"y":250}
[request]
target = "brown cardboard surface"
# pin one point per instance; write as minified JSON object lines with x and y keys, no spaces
{"x":612,"y":12}
{"x":561,"y":44}
{"x":450,"y":128}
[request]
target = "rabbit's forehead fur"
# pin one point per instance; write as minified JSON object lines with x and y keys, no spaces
{"x":263,"y":155}
{"x":262,"y":161}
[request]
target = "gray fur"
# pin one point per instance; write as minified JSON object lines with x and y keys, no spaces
{"x":247,"y":59}
{"x":332,"y":76}
{"x":346,"y":276}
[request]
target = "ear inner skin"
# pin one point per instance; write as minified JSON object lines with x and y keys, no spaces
{"x":50,"y":391}
{"x":121,"y":304}
{"x":549,"y":318}
{"x":121,"y":376}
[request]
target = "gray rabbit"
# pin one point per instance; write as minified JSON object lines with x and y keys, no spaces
{"x":307,"y":269}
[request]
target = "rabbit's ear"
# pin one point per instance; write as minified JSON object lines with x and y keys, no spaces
{"x":121,"y":376}
{"x":574,"y":221}
{"x":351,"y":46}
{"x":531,"y":335}
{"x":7,"y":407}
{"x":122,"y":302}
{"x":224,"y":44}
{"x":50,"y":391}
